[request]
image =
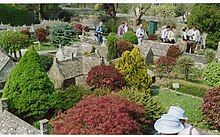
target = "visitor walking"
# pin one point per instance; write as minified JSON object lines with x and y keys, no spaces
{"x":179,"y":112}
{"x":164,"y":34}
{"x":194,"y":39}
{"x":99,"y":32}
{"x":121,"y":29}
{"x":140,"y":34}
{"x":168,"y":125}
{"x":171,"y":35}
{"x":184,"y":40}
{"x":126,"y":27}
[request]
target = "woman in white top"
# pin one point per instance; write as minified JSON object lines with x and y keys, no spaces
{"x":126,"y":27}
{"x":184,"y":39}
{"x":171,"y":35}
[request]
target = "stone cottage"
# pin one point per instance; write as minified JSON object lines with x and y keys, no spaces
{"x":6,"y":65}
{"x":71,"y":69}
{"x":12,"y":125}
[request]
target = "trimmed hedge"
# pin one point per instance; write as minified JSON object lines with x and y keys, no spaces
{"x":13,"y":15}
{"x":190,"y":88}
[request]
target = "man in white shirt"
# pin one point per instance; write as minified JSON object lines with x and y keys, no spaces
{"x":194,"y":38}
{"x":140,"y":34}
{"x":179,"y":112}
{"x":164,"y":34}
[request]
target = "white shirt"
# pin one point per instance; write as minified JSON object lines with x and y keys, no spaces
{"x":164,"y":33}
{"x":171,"y":35}
{"x":125,"y":28}
{"x":186,"y":130}
{"x":194,"y":35}
{"x":140,"y":33}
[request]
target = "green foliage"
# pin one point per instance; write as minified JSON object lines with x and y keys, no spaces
{"x":112,"y":46}
{"x":62,"y":33}
{"x":70,"y":96}
{"x":131,"y":37}
{"x":13,"y":40}
{"x":124,"y":8}
{"x":13,"y":15}
{"x":185,"y":63}
{"x":209,"y":55}
{"x":47,"y":61}
{"x":151,"y":107}
{"x":190,"y":104}
{"x":211,"y":74}
{"x":133,"y":66}
{"x":190,"y":88}
{"x":28,"y":88}
{"x":212,"y":40}
{"x":208,"y":21}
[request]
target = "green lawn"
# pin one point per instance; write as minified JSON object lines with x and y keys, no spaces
{"x":44,"y":46}
{"x":190,"y":104}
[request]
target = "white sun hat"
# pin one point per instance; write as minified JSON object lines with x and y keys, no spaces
{"x":177,"y":111}
{"x":168,"y":124}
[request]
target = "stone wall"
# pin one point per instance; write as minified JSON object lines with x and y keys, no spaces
{"x":4,"y":73}
{"x":55,"y":76}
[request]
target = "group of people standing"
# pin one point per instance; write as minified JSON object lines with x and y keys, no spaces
{"x":122,"y":29}
{"x":174,"y":123}
{"x":190,"y":39}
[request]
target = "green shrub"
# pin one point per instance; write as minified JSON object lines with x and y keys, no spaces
{"x":209,"y":55}
{"x":112,"y":46}
{"x":190,"y":88}
{"x":28,"y":88}
{"x":47,"y":61}
{"x":131,"y":37}
{"x":185,"y":63}
{"x":70,"y":96}
{"x":153,"y":110}
{"x":211,"y":74}
{"x":13,"y":15}
{"x":133,"y":66}
{"x":62,"y":33}
{"x":13,"y":41}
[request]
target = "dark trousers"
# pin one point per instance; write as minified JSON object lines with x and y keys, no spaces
{"x":191,"y":45}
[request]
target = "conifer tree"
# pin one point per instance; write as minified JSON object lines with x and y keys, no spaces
{"x":112,"y":46}
{"x":133,"y":66}
{"x":28,"y":88}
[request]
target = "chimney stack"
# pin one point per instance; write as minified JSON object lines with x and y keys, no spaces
{"x":3,"y":105}
{"x":44,"y":127}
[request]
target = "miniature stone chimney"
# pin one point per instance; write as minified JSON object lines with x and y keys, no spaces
{"x":74,"y":54}
{"x":44,"y":127}
{"x":3,"y":105}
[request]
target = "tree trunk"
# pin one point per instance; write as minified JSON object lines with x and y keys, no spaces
{"x":20,"y":55}
{"x":41,"y":11}
{"x":15,"y":55}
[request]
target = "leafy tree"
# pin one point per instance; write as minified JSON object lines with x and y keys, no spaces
{"x":103,"y":115}
{"x":124,"y":46}
{"x":209,"y":55}
{"x":13,"y":41}
{"x":105,"y":76}
{"x":139,"y":10}
{"x":151,"y":107}
{"x":210,"y":108}
{"x":207,"y":18}
{"x":183,"y":9}
{"x":110,"y":10}
{"x":112,"y":46}
{"x":133,"y":66}
{"x":62,"y":33}
{"x":47,"y":61}
{"x":130,"y":37}
{"x":185,"y":63}
{"x":28,"y":88}
{"x":211,"y":73}
{"x":165,"y":64}
{"x":174,"y":51}
{"x":13,"y":15}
